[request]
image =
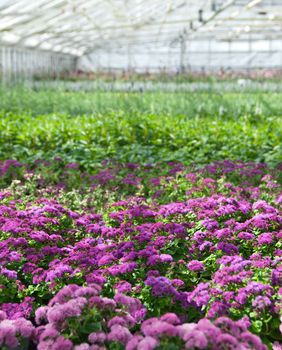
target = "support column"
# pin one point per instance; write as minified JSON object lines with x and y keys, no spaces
{"x":182,"y":53}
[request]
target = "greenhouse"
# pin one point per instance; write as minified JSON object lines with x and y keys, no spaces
{"x":140,"y":174}
{"x":144,"y":36}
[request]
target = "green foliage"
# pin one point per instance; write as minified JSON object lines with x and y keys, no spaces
{"x":146,"y":128}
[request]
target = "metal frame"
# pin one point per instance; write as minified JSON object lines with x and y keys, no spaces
{"x":79,"y":27}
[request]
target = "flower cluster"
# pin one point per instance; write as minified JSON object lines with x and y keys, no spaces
{"x":112,"y":321}
{"x":168,"y":330}
{"x":103,"y":320}
{"x":14,"y":333}
{"x":140,"y":257}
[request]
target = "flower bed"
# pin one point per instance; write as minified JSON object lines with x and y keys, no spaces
{"x":140,"y":257}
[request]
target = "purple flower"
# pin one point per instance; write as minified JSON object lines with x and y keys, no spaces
{"x":106,"y":260}
{"x":41,"y":314}
{"x":195,"y":265}
{"x":195,"y":339}
{"x":48,"y":333}
{"x":228,"y":248}
{"x":159,"y":328}
{"x":166,"y":258}
{"x":160,"y":286}
{"x":133,"y":342}
{"x":123,"y":287}
{"x":24,"y":327}
{"x":246,"y":236}
{"x":72,"y":166}
{"x":148,"y":343}
{"x":72,"y":308}
{"x":177,"y":283}
{"x":200,"y":295}
{"x":185,"y":328}
{"x":8,"y":273}
{"x":83,"y":346}
{"x":117,"y":320}
{"x":62,"y":344}
{"x":252,"y":341}
{"x":65,"y":294}
{"x":207,"y":327}
{"x":210,"y":224}
{"x":15,"y":310}
{"x":119,"y":334}
{"x":227,"y":341}
{"x":265,"y":238}
{"x":170,"y":318}
{"x":97,"y":337}
{"x":58,"y":272}
{"x":261,"y":302}
{"x":8,"y":334}
{"x":3,"y":315}
{"x":102,"y":303}
{"x":277,"y":346}
{"x":276,"y":277}
{"x":218,"y":309}
{"x":242,"y":297}
{"x":131,"y":304}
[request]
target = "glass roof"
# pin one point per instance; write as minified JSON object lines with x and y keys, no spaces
{"x":81,"y":26}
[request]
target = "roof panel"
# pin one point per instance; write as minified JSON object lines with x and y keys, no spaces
{"x":84,"y":25}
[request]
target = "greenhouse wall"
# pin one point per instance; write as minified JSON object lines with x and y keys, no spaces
{"x":22,"y":64}
{"x":198,"y":55}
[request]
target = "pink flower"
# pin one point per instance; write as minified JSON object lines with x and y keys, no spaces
{"x":97,"y":337}
{"x":41,"y":314}
{"x":166,"y":258}
{"x":159,"y":328}
{"x":119,"y":334}
{"x":3,"y":315}
{"x":83,"y":346}
{"x":148,"y":343}
{"x":24,"y":327}
{"x":8,"y":334}
{"x":133,"y":342}
{"x":195,"y":339}
{"x":170,"y":318}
